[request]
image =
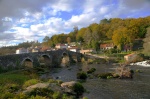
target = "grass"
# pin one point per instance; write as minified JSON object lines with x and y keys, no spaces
{"x":12,"y":85}
{"x":13,"y":78}
{"x":11,"y":82}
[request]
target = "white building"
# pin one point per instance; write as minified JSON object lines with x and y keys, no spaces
{"x":74,"y":49}
{"x":21,"y":51}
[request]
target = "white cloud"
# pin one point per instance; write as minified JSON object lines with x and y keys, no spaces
{"x":34,"y":19}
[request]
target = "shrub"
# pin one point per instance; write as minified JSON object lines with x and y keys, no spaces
{"x":21,"y":96}
{"x":104,"y":75}
{"x":90,"y":61}
{"x":138,"y":71}
{"x":55,"y":81}
{"x":109,"y":77}
{"x":132,"y":71}
{"x":42,"y":92}
{"x":82,"y":75}
{"x":67,"y":96}
{"x":7,"y":95}
{"x":84,"y":98}
{"x":78,"y":89}
{"x":91,"y":70}
{"x":124,"y":72}
{"x":56,"y":95}
{"x":13,"y":87}
{"x":30,"y":82}
{"x":37,"y":97}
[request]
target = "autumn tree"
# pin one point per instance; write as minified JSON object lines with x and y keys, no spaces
{"x":80,"y":35}
{"x":121,"y":36}
{"x":88,"y":37}
{"x":146,"y":44}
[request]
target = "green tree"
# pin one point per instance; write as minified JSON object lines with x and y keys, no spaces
{"x":46,"y":38}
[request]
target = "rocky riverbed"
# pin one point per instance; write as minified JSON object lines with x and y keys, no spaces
{"x":136,"y":88}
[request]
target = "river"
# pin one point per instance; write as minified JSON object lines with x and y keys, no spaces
{"x":136,"y":88}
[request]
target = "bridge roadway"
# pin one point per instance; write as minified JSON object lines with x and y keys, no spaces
{"x":53,"y":58}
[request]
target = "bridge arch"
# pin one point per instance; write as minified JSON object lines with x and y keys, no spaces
{"x":65,"y":60}
{"x":27,"y":62}
{"x":45,"y":60}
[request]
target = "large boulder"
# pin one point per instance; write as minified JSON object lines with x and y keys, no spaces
{"x":38,"y":85}
{"x":67,"y":86}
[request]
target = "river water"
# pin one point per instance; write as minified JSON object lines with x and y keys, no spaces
{"x":136,"y":88}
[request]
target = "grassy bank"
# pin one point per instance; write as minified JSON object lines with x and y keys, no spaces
{"x":13,"y":85}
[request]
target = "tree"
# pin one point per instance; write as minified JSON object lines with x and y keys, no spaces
{"x":46,"y":38}
{"x":88,"y":37}
{"x":104,"y":21}
{"x":146,"y":44}
{"x":68,"y":40}
{"x":121,"y":36}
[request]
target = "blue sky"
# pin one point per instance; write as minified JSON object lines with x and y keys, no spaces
{"x":29,"y":20}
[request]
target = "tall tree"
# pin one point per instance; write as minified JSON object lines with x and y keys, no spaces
{"x":121,"y":36}
{"x":146,"y":44}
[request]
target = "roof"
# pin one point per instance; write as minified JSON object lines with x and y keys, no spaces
{"x":106,"y":45}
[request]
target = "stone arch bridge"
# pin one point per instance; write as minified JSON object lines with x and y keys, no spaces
{"x":49,"y":58}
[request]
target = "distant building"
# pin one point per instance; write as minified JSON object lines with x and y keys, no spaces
{"x":36,"y":49}
{"x":86,"y":51}
{"x":21,"y":51}
{"x":130,"y":57}
{"x":106,"y":46}
{"x":61,"y":46}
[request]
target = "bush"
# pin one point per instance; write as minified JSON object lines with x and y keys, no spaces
{"x":82,"y":75}
{"x":22,"y":96}
{"x":7,"y":95}
{"x":13,"y":87}
{"x":84,"y":98}
{"x":37,"y":97}
{"x":78,"y":89}
{"x":91,"y":70}
{"x":138,"y":71}
{"x":30,"y":82}
{"x":109,"y":77}
{"x":104,"y":75}
{"x":55,"y":81}
{"x":90,"y":61}
{"x":56,"y":95}
{"x":42,"y":92}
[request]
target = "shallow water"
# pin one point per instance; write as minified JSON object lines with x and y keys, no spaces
{"x":136,"y":88}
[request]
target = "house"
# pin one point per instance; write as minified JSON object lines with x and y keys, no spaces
{"x":61,"y":46}
{"x":21,"y":51}
{"x":74,"y":49}
{"x":36,"y":49}
{"x":106,"y":46}
{"x":130,"y":57}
